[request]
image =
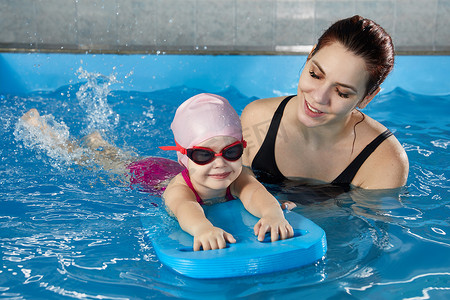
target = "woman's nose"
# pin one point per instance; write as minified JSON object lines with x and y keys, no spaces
{"x":321,"y":95}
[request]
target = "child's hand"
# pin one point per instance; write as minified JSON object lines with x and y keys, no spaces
{"x":212,"y":238}
{"x":278,"y":227}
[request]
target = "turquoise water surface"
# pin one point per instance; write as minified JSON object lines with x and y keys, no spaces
{"x":71,"y":231}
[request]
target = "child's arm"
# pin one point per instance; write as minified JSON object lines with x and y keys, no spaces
{"x":260,"y":203}
{"x":182,"y":203}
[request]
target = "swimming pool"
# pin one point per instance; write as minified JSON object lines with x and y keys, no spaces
{"x":75,"y":232}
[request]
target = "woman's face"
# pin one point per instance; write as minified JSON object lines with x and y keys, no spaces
{"x":219,"y":173}
{"x":332,"y":84}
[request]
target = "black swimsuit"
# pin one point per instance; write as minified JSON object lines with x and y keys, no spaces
{"x":265,"y":166}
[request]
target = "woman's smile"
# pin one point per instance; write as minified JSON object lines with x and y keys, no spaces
{"x":311,"y":111}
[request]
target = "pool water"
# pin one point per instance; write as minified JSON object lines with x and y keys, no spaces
{"x":71,"y":231}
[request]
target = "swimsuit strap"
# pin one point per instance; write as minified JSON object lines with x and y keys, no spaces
{"x":346,"y":177}
{"x":187,"y":179}
{"x":229,"y":196}
{"x":265,"y":158}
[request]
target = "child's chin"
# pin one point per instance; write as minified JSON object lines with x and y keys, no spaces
{"x":219,"y":183}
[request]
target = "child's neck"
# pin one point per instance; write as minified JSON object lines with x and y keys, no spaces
{"x":210,"y":194}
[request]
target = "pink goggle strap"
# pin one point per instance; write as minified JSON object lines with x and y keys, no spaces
{"x":174,"y":148}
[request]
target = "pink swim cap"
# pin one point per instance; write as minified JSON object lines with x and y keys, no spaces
{"x":202,"y":117}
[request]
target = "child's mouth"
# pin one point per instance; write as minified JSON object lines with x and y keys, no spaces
{"x":220,"y":175}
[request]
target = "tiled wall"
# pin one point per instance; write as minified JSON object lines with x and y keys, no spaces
{"x":211,"y":25}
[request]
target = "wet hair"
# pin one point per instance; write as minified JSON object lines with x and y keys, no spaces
{"x":366,"y":39}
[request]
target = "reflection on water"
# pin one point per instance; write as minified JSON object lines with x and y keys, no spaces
{"x":66,"y":230}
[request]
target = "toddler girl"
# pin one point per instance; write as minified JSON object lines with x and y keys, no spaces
{"x":208,"y":138}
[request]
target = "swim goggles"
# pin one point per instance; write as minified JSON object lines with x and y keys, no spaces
{"x":203,"y":155}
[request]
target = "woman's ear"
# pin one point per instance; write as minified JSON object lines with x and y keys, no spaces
{"x":368,"y":98}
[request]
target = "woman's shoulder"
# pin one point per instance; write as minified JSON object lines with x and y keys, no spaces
{"x":255,"y":120}
{"x":260,"y":109}
{"x":388,"y":165}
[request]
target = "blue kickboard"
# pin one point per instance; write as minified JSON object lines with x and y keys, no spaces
{"x":247,"y":256}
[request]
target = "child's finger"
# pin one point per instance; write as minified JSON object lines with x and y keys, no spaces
{"x":290,"y":231}
{"x":221,"y":243}
{"x":197,"y":245}
{"x":282,"y":232}
{"x":286,"y":232}
{"x":229,"y":237}
{"x":262,"y":232}
{"x":257,"y":228}
{"x":274,"y":234}
{"x":212,"y":244}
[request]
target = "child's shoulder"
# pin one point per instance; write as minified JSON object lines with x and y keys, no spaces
{"x":176,"y":184}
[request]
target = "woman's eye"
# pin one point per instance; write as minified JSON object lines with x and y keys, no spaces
{"x":342,"y":95}
{"x":313,"y":75}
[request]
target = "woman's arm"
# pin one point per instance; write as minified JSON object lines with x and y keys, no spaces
{"x":260,"y":203}
{"x":182,"y":203}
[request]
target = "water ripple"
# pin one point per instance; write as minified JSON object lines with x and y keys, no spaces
{"x":438,"y":281}
{"x":418,"y":149}
{"x":441,"y":143}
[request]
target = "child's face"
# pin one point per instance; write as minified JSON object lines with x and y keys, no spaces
{"x":219,"y":173}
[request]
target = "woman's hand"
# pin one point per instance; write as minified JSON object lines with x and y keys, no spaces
{"x":278,"y":227}
{"x":209,"y":238}
{"x":289,"y":205}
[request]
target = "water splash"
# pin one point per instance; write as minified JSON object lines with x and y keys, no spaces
{"x":92,"y":97}
{"x":53,"y":138}
{"x":50,"y":137}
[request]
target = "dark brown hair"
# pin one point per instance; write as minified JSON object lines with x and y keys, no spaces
{"x":364,"y":38}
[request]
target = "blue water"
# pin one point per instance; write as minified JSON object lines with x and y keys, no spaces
{"x":68,"y":231}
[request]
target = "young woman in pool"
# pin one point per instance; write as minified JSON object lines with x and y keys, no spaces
{"x":319,"y":135}
{"x":209,"y":144}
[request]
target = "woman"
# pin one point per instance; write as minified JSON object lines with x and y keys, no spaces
{"x":319,"y":133}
